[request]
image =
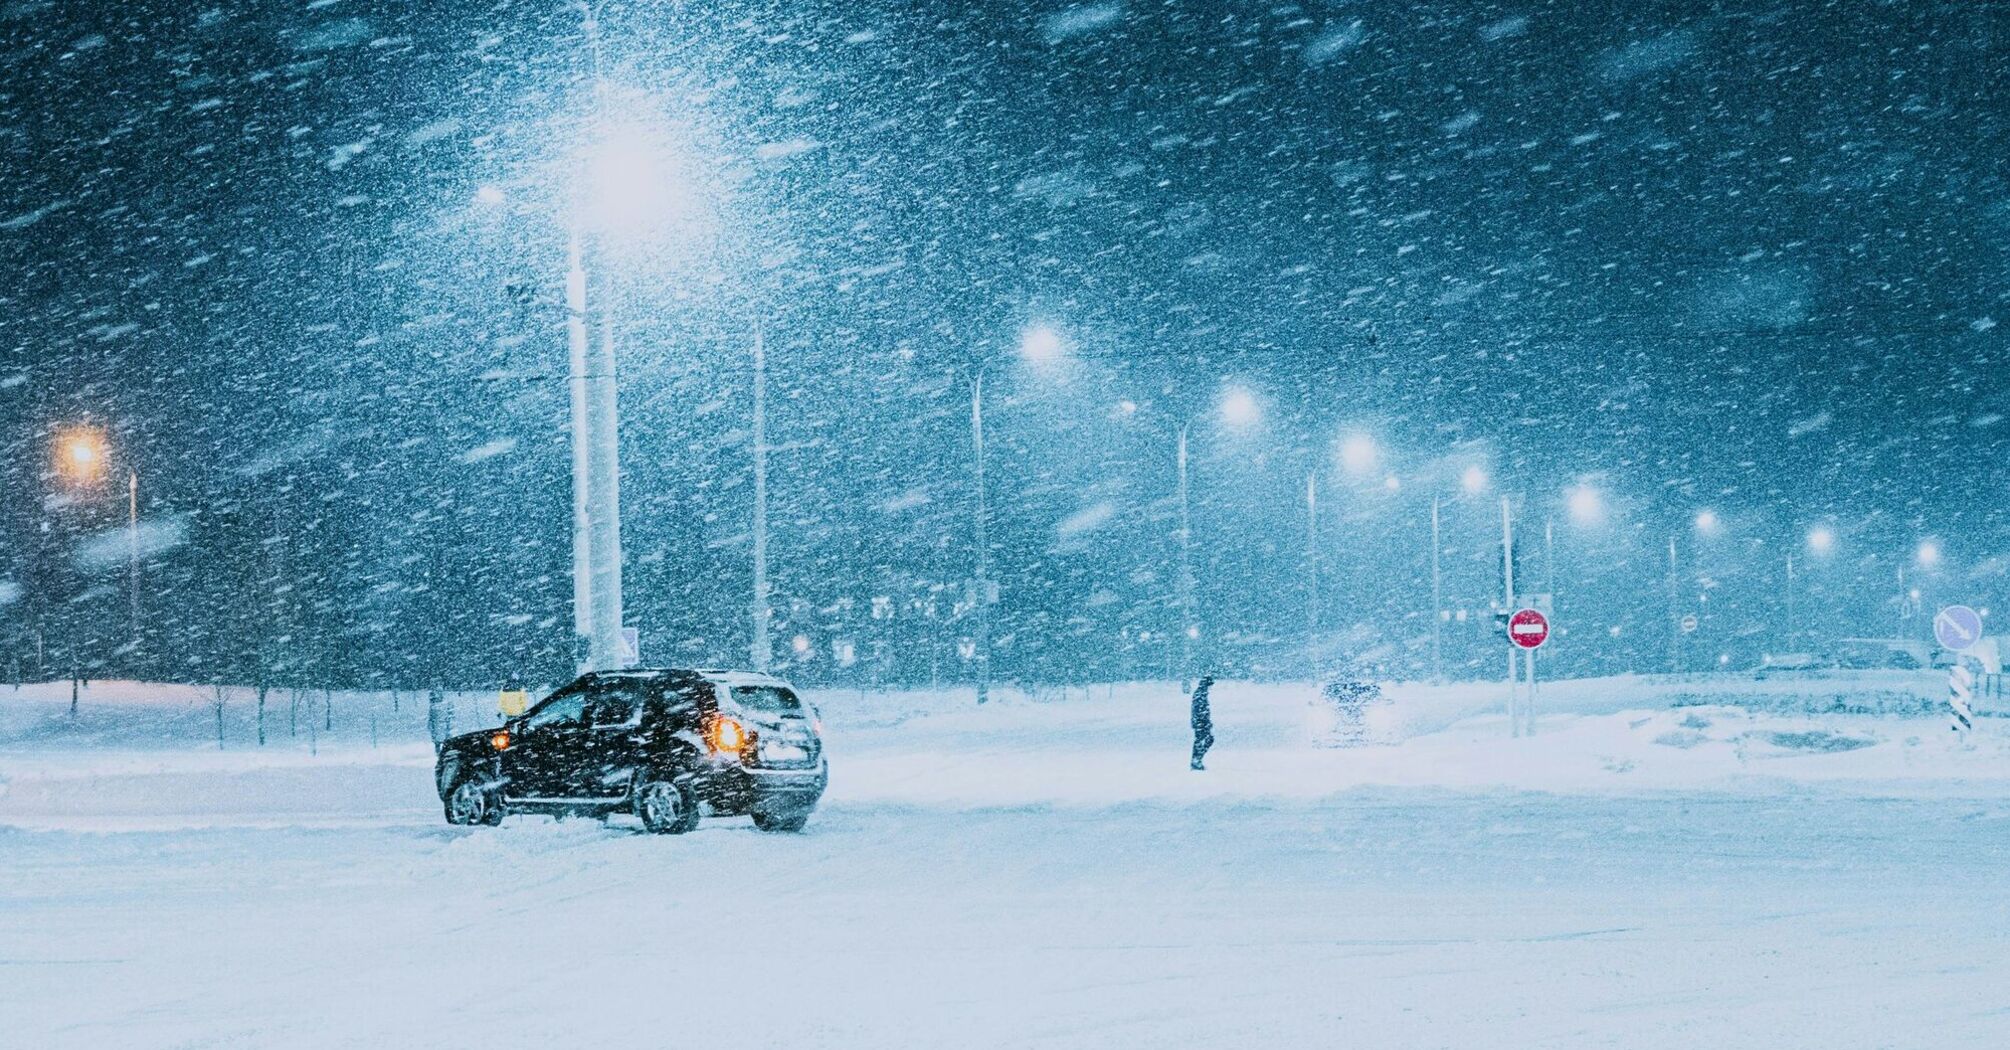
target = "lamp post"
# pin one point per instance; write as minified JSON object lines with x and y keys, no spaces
{"x":763,"y":649}
{"x":982,"y":526}
{"x":1312,"y":570}
{"x":81,"y":453}
{"x":133,"y":553}
{"x":1437,"y":593}
{"x":1189,"y":628}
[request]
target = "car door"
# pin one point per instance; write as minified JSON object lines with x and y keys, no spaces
{"x":544,"y":745}
{"x":611,"y":744}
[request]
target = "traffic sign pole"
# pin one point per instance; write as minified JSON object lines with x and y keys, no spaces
{"x":1527,"y":631}
{"x":1958,"y":629}
{"x":1507,"y":592}
{"x":1960,"y":698}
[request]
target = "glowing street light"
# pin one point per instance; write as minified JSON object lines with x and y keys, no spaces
{"x":1239,"y":407}
{"x":80,"y":454}
{"x":1473,"y":481}
{"x":1928,"y":554}
{"x":1707,"y":522}
{"x":1359,"y":454}
{"x":1821,"y":539}
{"x":1587,"y":507}
{"x":1041,"y":345}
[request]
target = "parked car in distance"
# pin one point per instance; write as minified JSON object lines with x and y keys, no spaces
{"x":668,"y":746}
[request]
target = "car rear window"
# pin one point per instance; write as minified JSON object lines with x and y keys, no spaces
{"x":765,"y":698}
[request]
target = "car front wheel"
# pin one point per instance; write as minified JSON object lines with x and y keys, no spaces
{"x":664,"y":807}
{"x":469,"y":803}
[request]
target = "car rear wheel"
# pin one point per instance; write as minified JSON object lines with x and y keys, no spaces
{"x":469,"y":803}
{"x":788,"y":821}
{"x":665,"y":807}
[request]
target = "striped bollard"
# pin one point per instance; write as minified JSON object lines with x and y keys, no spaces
{"x":1960,"y":697}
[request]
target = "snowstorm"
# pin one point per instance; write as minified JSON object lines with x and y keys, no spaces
{"x":1134,"y":523}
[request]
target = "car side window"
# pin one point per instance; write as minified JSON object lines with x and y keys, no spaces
{"x":613,"y":706}
{"x":679,"y":705}
{"x":558,"y":712}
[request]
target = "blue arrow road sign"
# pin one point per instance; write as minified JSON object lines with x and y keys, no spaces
{"x":1957,"y":628}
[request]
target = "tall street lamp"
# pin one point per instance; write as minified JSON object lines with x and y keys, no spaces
{"x":1041,"y":346}
{"x":763,"y":649}
{"x":1237,"y":408}
{"x":1472,"y":482}
{"x":982,"y":525}
{"x":621,"y":182}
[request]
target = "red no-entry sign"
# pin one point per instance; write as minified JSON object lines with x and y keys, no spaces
{"x":1528,"y":628}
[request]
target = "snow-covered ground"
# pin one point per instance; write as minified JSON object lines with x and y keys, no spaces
{"x":1802,"y":862}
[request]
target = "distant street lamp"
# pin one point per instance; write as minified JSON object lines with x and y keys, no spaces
{"x":1928,"y":554}
{"x":1359,"y":454}
{"x":1821,"y":539}
{"x":1472,"y":481}
{"x":1040,"y":346}
{"x":1587,"y":507}
{"x":1239,"y":407}
{"x":81,"y":453}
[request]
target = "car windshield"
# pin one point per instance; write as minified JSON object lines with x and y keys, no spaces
{"x":768,"y":698}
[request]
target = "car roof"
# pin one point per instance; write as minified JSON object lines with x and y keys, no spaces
{"x":737,"y":678}
{"x":723,"y":677}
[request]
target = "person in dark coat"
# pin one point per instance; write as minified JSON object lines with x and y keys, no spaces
{"x":1203,"y":721}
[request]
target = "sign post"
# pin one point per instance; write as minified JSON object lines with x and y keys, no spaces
{"x":1958,"y":629}
{"x":1528,"y":630}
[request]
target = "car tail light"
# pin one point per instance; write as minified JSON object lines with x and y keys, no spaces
{"x":500,"y":741}
{"x":728,"y":735}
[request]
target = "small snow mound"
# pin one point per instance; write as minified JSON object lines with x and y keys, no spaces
{"x":1817,"y":741}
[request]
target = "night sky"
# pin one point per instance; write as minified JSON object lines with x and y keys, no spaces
{"x":1749,"y":257}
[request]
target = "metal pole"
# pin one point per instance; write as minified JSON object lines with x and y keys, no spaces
{"x":576,"y":339}
{"x":1188,"y":628}
{"x":1507,"y":594}
{"x":1549,"y":558}
{"x":763,"y":651}
{"x":1437,"y":596}
{"x":133,"y":552}
{"x":1674,"y":612}
{"x":1790,"y":603}
{"x":1529,"y":715}
{"x":983,"y":596}
{"x":1898,"y":631}
{"x":1312,"y":571}
{"x":603,"y":489}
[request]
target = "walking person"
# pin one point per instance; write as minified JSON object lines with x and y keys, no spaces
{"x":1203,"y":721}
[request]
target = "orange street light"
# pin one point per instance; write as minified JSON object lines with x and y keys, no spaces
{"x":80,"y":454}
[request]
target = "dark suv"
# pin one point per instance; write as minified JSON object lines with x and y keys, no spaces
{"x":659,"y":744}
